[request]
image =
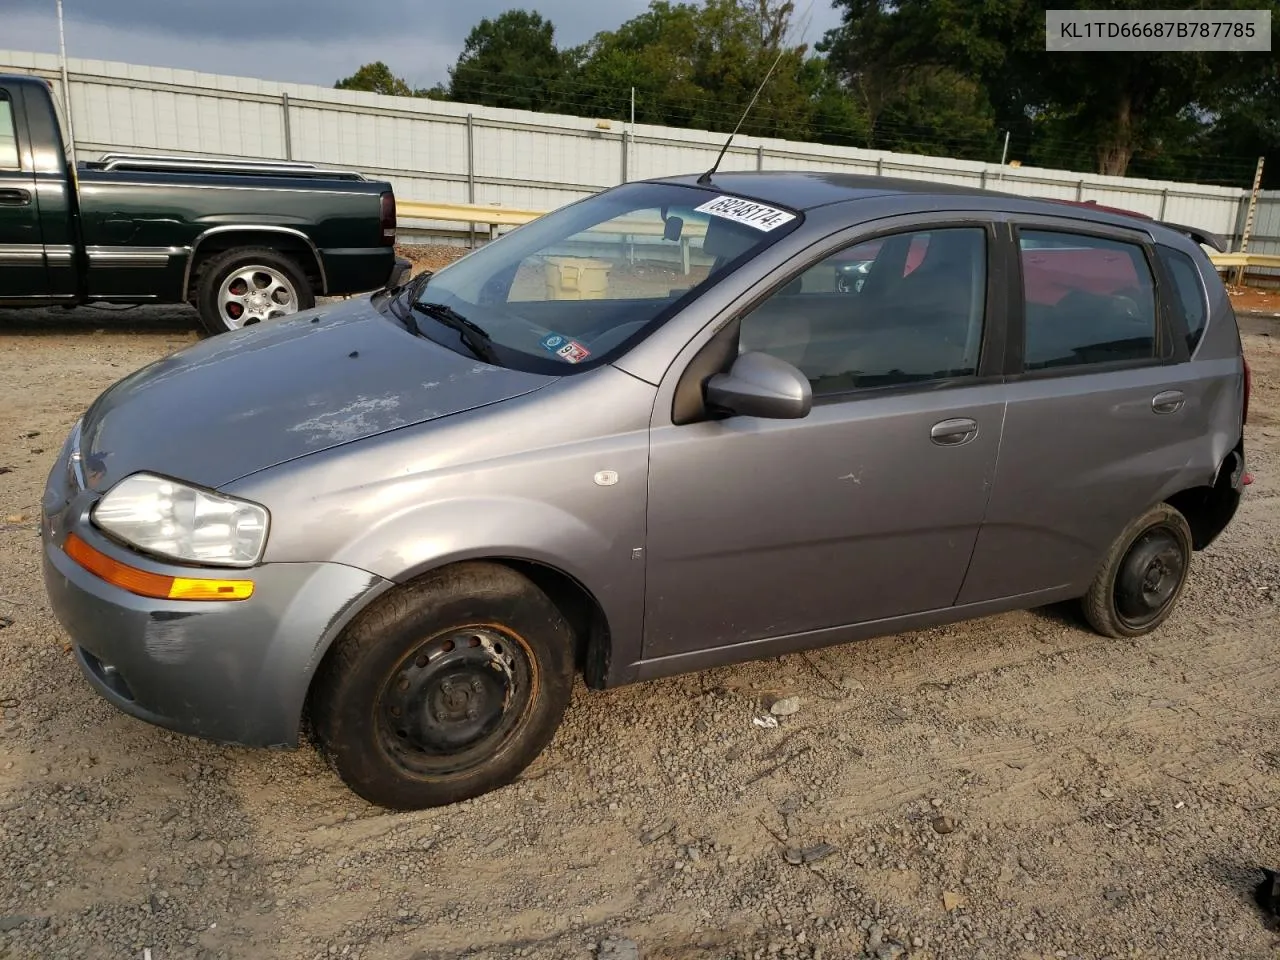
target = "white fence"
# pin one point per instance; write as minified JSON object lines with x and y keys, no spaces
{"x":454,"y":153}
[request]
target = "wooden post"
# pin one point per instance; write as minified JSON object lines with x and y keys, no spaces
{"x":1248,"y":220}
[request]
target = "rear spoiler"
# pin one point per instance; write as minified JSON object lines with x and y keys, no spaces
{"x":1200,"y":236}
{"x":1195,"y":233}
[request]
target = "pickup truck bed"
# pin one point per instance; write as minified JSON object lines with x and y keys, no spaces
{"x":241,"y":241}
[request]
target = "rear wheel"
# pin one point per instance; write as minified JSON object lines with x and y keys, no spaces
{"x":445,"y":690}
{"x":242,"y":287}
{"x":1143,"y":575}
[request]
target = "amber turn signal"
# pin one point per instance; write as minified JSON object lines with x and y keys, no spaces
{"x":154,"y":585}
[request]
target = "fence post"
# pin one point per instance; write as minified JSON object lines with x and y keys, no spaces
{"x":471,"y":176}
{"x":288,"y":127}
{"x":1164,"y":202}
{"x":759,"y":159}
{"x":1079,"y":190}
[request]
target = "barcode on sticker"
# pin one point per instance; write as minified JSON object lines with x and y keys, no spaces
{"x":748,"y":212}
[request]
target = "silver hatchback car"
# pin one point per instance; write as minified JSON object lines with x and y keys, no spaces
{"x":654,"y":431}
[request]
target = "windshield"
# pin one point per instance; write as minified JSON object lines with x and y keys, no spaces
{"x":580,"y":285}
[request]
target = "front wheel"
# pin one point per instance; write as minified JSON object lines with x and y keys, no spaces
{"x":1143,"y":575}
{"x":446,"y":689}
{"x":246,"y":286}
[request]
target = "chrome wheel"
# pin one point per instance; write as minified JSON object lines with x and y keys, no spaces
{"x":254,"y":293}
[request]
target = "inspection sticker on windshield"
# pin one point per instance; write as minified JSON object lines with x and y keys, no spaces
{"x":747,"y":211}
{"x":573,"y":351}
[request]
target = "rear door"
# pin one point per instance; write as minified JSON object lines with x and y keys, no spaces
{"x":22,"y":263}
{"x":1103,"y":415}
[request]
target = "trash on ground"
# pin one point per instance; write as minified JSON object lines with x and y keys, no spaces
{"x":766,"y":722}
{"x":798,"y":856}
{"x":786,"y":707}
{"x":657,"y":832}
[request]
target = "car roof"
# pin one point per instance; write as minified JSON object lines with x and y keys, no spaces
{"x":805,"y":190}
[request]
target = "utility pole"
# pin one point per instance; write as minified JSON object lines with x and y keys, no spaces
{"x":1005,"y":152}
{"x":1248,"y":220}
{"x":66,"y":89}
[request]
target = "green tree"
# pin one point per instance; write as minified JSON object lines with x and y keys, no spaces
{"x":1118,"y":106}
{"x":697,"y":65}
{"x":375,"y":78}
{"x":510,"y":61}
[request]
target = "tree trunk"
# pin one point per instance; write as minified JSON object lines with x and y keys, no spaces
{"x":1115,"y":149}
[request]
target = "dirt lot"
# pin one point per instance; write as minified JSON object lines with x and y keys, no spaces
{"x":1015,"y":787}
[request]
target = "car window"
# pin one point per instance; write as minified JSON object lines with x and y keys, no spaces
{"x":8,"y":137}
{"x":905,"y":308}
{"x":574,"y":287}
{"x":1190,"y":300}
{"x":1088,"y":300}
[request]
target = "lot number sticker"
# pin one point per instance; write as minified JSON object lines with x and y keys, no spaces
{"x":747,"y":211}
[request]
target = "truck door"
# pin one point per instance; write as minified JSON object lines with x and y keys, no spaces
{"x":22,"y":263}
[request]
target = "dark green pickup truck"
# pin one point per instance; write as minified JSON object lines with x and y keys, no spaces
{"x":241,"y":241}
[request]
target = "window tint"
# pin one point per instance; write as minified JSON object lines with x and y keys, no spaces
{"x":1088,"y":300}
{"x":8,"y":137}
{"x":1190,"y":289}
{"x":899,"y":309}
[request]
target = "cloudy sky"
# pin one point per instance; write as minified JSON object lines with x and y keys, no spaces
{"x":305,"y":41}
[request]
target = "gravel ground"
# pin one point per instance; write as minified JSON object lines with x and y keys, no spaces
{"x":1014,"y":787}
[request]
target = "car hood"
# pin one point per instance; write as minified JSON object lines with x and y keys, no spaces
{"x":240,"y":402}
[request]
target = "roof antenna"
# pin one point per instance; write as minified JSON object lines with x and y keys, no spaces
{"x":705,"y":179}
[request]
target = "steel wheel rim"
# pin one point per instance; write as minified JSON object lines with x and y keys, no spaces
{"x":255,"y":293}
{"x":455,"y":700}
{"x":1150,"y":576}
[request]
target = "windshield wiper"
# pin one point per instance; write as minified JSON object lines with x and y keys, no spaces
{"x":473,"y":335}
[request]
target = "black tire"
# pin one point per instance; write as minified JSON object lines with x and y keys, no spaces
{"x":1142,"y":577}
{"x":409,"y":663}
{"x":215,"y":271}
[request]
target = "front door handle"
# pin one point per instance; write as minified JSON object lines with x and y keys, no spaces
{"x":15,"y":197}
{"x":1170,"y":401}
{"x":952,"y":433}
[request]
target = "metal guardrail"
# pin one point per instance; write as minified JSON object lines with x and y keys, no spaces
{"x":1223,"y":260}
{"x":496,"y":216}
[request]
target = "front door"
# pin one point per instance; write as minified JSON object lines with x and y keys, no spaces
{"x":866,"y":509}
{"x":22,"y":268}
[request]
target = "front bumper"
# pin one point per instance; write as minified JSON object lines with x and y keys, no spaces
{"x":235,"y":671}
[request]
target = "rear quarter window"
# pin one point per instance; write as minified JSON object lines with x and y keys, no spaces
{"x":1190,"y":300}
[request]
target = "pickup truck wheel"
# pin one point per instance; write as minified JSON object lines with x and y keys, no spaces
{"x":1143,"y":575}
{"x":246,"y":286}
{"x":445,"y":689}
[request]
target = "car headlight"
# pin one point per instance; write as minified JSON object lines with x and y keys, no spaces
{"x":170,"y":519}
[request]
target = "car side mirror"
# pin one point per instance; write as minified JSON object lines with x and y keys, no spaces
{"x":761,"y":385}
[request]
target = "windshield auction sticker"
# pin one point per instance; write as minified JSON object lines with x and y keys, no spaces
{"x":748,"y":212}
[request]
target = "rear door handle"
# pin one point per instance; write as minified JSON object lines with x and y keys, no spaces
{"x":15,"y":198}
{"x":1170,"y":401}
{"x":952,"y":433}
